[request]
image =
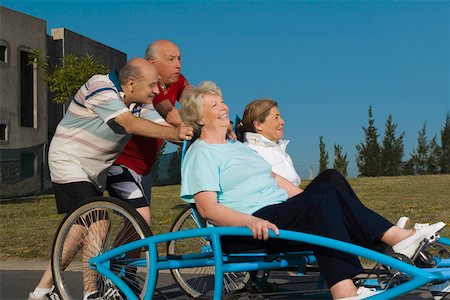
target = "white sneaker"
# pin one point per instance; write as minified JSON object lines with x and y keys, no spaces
{"x":49,"y":296}
{"x":420,"y":225}
{"x":362,"y":293}
{"x":402,"y":222}
{"x":440,"y":290}
{"x":410,"y":245}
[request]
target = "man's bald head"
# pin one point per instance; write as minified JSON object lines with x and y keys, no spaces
{"x":154,"y":49}
{"x":136,"y":68}
{"x":166,"y":57}
{"x":138,"y":79}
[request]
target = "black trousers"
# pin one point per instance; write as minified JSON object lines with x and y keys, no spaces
{"x":334,"y":178}
{"x":330,"y":208}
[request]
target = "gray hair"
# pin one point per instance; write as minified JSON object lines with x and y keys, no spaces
{"x":151,"y":52}
{"x":192,"y":103}
{"x":130,"y":70}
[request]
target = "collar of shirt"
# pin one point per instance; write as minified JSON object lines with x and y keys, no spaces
{"x":259,"y":139}
{"x":114,"y":77}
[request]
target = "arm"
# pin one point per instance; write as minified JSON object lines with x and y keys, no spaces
{"x":140,"y":126}
{"x":285,"y":184}
{"x":220,"y":215}
{"x":168,"y":112}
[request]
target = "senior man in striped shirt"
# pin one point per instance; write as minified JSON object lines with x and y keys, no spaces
{"x":101,"y":118}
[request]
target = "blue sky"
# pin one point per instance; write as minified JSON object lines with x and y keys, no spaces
{"x":324,"y":62}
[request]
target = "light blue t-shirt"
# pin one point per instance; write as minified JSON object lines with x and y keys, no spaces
{"x":241,"y":177}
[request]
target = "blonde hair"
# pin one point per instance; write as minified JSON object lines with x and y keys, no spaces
{"x":192,"y":103}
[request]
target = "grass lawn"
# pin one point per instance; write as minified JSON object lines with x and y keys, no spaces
{"x":27,"y":225}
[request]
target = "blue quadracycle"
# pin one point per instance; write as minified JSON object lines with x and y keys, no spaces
{"x":105,"y":245}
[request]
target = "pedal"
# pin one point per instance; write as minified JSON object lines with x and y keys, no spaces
{"x":425,"y":260}
{"x":427,"y":242}
{"x":433,"y":239}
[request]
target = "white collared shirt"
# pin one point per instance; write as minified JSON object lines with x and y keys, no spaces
{"x":275,"y":154}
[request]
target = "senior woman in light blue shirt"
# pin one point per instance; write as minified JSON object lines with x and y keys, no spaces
{"x":232,"y":185}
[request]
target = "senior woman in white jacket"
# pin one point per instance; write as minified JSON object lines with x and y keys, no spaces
{"x":262,"y":130}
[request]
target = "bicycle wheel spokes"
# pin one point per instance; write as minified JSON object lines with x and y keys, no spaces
{"x":199,"y":281}
{"x":90,"y":230}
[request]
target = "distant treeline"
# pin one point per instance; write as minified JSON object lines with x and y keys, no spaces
{"x":385,"y":159}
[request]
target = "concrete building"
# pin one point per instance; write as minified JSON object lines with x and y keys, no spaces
{"x":28,"y":117}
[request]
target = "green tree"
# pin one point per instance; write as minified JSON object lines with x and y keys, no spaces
{"x":323,"y":161}
{"x":340,"y":160}
{"x":408,"y":167}
{"x":391,"y":150}
{"x":419,"y":157}
{"x":368,"y":157}
{"x":444,"y":159}
{"x":434,"y":153}
{"x":68,"y":75}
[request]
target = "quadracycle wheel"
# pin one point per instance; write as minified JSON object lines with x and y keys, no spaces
{"x":94,"y":227}
{"x":198,"y":282}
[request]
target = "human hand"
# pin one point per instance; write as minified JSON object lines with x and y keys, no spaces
{"x":231,"y":135}
{"x":260,"y":228}
{"x":173,"y":117}
{"x":184,"y":132}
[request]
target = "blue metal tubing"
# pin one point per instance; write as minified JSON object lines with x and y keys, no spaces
{"x":420,"y":277}
{"x":444,"y":241}
{"x":442,"y":274}
{"x":183,"y":149}
{"x":442,"y":262}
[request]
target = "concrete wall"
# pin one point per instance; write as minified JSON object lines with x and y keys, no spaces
{"x":15,"y":32}
{"x":23,"y":167}
{"x":79,"y":45}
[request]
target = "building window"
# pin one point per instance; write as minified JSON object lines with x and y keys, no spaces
{"x":3,"y":132}
{"x":27,"y":106}
{"x":3,"y":53}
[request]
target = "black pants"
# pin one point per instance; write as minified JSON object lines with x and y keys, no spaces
{"x":326,"y":209}
{"x":335,"y":179}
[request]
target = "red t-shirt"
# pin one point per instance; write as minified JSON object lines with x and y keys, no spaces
{"x":141,"y":152}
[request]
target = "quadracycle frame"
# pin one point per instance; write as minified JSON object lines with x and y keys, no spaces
{"x":128,"y":269}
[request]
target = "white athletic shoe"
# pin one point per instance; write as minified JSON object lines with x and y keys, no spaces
{"x":402,"y":222}
{"x":440,"y":290}
{"x":49,"y":296}
{"x":410,"y":245}
{"x":362,"y":293}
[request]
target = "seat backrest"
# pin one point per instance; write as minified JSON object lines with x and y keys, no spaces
{"x":202,"y":223}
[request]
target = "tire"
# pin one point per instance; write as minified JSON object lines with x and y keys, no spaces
{"x":97,"y":225}
{"x":198,"y":282}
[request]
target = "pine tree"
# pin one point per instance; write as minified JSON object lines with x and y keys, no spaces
{"x":419,"y":157}
{"x":323,"y":160}
{"x":368,"y":158}
{"x":340,"y":160}
{"x":434,"y":153}
{"x":391,"y":150}
{"x":444,"y":159}
{"x":408,"y":167}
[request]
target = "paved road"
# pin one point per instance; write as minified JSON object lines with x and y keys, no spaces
{"x":17,"y":279}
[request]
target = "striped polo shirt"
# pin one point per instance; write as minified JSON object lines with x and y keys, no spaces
{"x":84,"y":145}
